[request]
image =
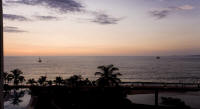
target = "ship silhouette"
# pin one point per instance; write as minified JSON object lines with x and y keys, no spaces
{"x":39,"y":60}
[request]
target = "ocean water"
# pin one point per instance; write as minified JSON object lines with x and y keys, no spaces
{"x":132,"y":68}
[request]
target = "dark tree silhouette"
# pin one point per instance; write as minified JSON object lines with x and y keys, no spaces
{"x":31,"y":82}
{"x":21,"y":79}
{"x":108,"y":76}
{"x":50,"y":82}
{"x":87,"y":82}
{"x":9,"y":78}
{"x":58,"y":81}
{"x":16,"y":75}
{"x":42,"y":80}
{"x":74,"y":81}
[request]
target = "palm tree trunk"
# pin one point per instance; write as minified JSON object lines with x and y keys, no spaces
{"x":1,"y":56}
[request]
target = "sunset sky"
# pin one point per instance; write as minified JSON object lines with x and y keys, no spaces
{"x":101,"y":27}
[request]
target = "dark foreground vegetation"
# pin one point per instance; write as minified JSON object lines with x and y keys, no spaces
{"x":76,"y":98}
{"x":77,"y":93}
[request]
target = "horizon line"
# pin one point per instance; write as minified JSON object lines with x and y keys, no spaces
{"x":94,"y":55}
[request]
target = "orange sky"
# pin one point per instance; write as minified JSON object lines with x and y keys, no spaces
{"x":129,"y":28}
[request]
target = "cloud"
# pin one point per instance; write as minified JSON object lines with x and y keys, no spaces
{"x":15,"y":17}
{"x":46,"y":18}
{"x":102,"y":18}
{"x":11,"y":29}
{"x":186,"y":7}
{"x":163,"y":13}
{"x":65,"y":6}
{"x":159,"y":14}
{"x":62,"y":6}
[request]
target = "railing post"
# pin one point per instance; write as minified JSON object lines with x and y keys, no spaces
{"x":156,"y":97}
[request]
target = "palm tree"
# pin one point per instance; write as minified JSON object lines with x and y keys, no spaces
{"x":21,"y":79}
{"x":16,"y":74}
{"x":59,"y":80}
{"x":42,"y":80}
{"x":87,"y":82}
{"x":9,"y":78}
{"x":108,"y":77}
{"x":50,"y":82}
{"x":74,"y":81}
{"x":31,"y":81}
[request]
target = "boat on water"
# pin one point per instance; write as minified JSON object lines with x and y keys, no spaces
{"x":158,"y":57}
{"x":39,"y":60}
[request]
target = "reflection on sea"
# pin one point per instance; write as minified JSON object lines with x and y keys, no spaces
{"x":16,"y":99}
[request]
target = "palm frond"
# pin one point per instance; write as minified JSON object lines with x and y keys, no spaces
{"x":110,"y":66}
{"x":101,"y":67}
{"x":114,"y":69}
{"x":99,"y":73}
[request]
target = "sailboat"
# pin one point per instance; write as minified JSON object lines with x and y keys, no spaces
{"x":39,"y":60}
{"x":157,"y":57}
